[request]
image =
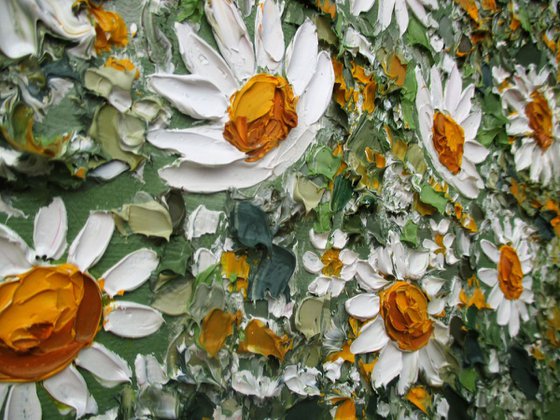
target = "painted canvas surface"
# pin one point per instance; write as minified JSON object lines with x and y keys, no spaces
{"x":264,"y":209}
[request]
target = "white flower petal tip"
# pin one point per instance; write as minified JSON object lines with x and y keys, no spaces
{"x":23,"y":403}
{"x":194,"y":144}
{"x":301,"y":381}
{"x":269,"y":37}
{"x":317,"y":95}
{"x":359,"y":6}
{"x":201,"y":59}
{"x":388,"y":366}
{"x":70,"y":388}
{"x":131,"y":320}
{"x":130,"y":272}
{"x":14,"y":253}
{"x":191,"y":94}
{"x":194,"y":177}
{"x":92,"y":241}
{"x":364,"y":306}
{"x":49,"y":233}
{"x":372,"y":337}
{"x":109,"y":170}
{"x":149,"y":371}
{"x":301,"y":56}
{"x":231,"y":36}
{"x":108,"y":368}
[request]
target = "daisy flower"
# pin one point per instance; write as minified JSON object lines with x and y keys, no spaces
{"x":261,"y":102}
{"x":441,"y":251}
{"x":51,"y":312}
{"x":334,"y":267}
{"x":399,"y":313}
{"x":400,"y":7}
{"x":510,"y":280}
{"x":535,"y":119}
{"x":448,"y":128}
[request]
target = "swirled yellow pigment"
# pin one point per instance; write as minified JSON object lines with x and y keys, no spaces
{"x":540,"y":120}
{"x":449,"y":140}
{"x":404,"y":308}
{"x":510,"y":274}
{"x":261,"y":115}
{"x":47,"y":315}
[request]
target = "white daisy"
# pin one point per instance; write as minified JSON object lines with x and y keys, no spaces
{"x":510,"y":280}
{"x":262,"y":102}
{"x":448,"y":128}
{"x":400,"y":313}
{"x":52,"y":312}
{"x":334,"y":267}
{"x":386,"y":7}
{"x":535,"y":119}
{"x":441,"y":251}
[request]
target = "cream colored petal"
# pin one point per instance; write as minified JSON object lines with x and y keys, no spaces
{"x":312,"y":262}
{"x":372,"y":337}
{"x":196,"y":142}
{"x":471,"y":124}
{"x":368,"y":278}
{"x":269,"y":37}
{"x":70,"y":388}
{"x":431,"y":360}
{"x":453,"y":90}
{"x":317,"y":96}
{"x":301,"y":56}
{"x":464,"y":106}
{"x":23,"y":403}
{"x":409,"y":372}
{"x":49,"y":232}
{"x":108,"y":367}
{"x":504,"y":312}
{"x":490,"y":250}
{"x":92,"y":241}
{"x":319,"y":240}
{"x":385,"y":13}
{"x":320,"y":286}
{"x":201,"y":59}
{"x":109,"y":170}
{"x":513,"y":325}
{"x":359,"y":6}
{"x":401,"y":15}
{"x":15,"y":255}
{"x":475,"y":152}
{"x":363,"y":306}
{"x":388,"y":366}
{"x":191,"y":94}
{"x":131,"y":320}
{"x":418,"y":9}
{"x":130,"y":272}
{"x":436,"y":88}
{"x":488,"y":275}
{"x":496,"y":297}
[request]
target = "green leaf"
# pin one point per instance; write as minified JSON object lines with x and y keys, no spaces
{"x":313,"y":316}
{"x":472,"y":352}
{"x":250,"y":225}
{"x":429,"y":196}
{"x":322,"y":162}
{"x":410,"y":233}
{"x":176,"y":255}
{"x":342,"y":193}
{"x":324,"y":217}
{"x":177,"y":209}
{"x":523,"y":373}
{"x":173,"y":298}
{"x":149,"y":218}
{"x":468,"y":378}
{"x":417,"y":34}
{"x":309,"y":408}
{"x":192,"y":10}
{"x":274,"y":273}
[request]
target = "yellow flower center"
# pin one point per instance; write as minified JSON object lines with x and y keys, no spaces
{"x":510,"y":274}
{"x":261,"y":114}
{"x":47,"y":315}
{"x":404,"y":309}
{"x":540,"y":120}
{"x":332,"y":266}
{"x":449,"y":139}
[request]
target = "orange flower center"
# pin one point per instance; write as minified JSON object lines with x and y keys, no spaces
{"x":404,"y":309}
{"x":332,"y":266}
{"x":261,"y":114}
{"x":540,"y":120}
{"x":510,"y":274}
{"x":449,"y":139}
{"x":47,"y":315}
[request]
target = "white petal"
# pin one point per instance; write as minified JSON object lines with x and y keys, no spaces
{"x":453,"y":90}
{"x":109,"y":170}
{"x":388,"y":366}
{"x":339,"y":239}
{"x":49,"y":232}
{"x":148,"y":371}
{"x":336,"y":287}
{"x":432,"y":285}
{"x":417,"y":264}
{"x":201,"y":59}
{"x":269,"y":37}
{"x":490,"y":250}
{"x":401,"y":14}
{"x":231,"y":36}
{"x":436,"y":88}
{"x":504,"y":311}
{"x":363,"y":306}
{"x":317,"y":95}
{"x":464,"y":106}
{"x":418,"y":10}
{"x":348,"y":257}
{"x":348,"y":272}
{"x":319,"y":240}
{"x":22,"y":403}
{"x":4,"y":388}
{"x":92,"y":241}
{"x":301,"y":56}
{"x":475,"y":152}
{"x":202,"y":221}
{"x":109,"y":368}
{"x":495,"y":297}
{"x":130,"y":272}
{"x":291,"y":149}
{"x":372,"y":337}
{"x":409,"y":372}
{"x":70,"y":388}
{"x":191,"y":94}
{"x":194,"y":177}
{"x":131,"y":320}
{"x":471,"y":124}
{"x":194,"y":143}
{"x":312,"y":262}
{"x":431,"y":360}
{"x":385,"y":13}
{"x":436,"y":306}
{"x":320,"y":286}
{"x":524,"y":156}
{"x":519,"y":126}
{"x":14,"y":253}
{"x":359,"y":6}
{"x":488,"y":275}
{"x":368,"y":278}
{"x":513,"y":326}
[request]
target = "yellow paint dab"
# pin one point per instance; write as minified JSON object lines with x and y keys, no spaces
{"x":217,"y":326}
{"x":260,"y":339}
{"x":420,"y":398}
{"x":346,"y":410}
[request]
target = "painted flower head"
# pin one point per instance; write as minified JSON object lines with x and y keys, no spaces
{"x":510,"y":280}
{"x":440,"y":247}
{"x":51,"y":312}
{"x":334,"y":267}
{"x":448,"y":128}
{"x":534,"y":118}
{"x":261,"y":101}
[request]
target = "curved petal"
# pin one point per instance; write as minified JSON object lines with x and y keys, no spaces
{"x":317,"y":96}
{"x":490,"y":250}
{"x":49,"y":232}
{"x":269,"y":37}
{"x":194,"y":177}
{"x":131,"y":320}
{"x":23,"y":403}
{"x":312,"y":262}
{"x":92,"y":241}
{"x":513,"y":325}
{"x":130,"y":272}
{"x":385,"y":13}
{"x":364,"y":306}
{"x":194,"y":143}
{"x":475,"y":152}
{"x":201,"y":59}
{"x":372,"y":337}
{"x":291,"y":149}
{"x":495,"y":297}
{"x":70,"y":388}
{"x":504,"y":312}
{"x":436,"y":88}
{"x":453,"y":90}
{"x":471,"y":124}
{"x":359,"y":6}
{"x":231,"y":36}
{"x":320,"y":286}
{"x":401,"y":14}
{"x":301,"y":56}
{"x":191,"y":94}
{"x":488,"y":275}
{"x":368,"y":278}
{"x":14,"y":253}
{"x":109,"y":170}
{"x":109,"y":368}
{"x":388,"y":366}
{"x":319,"y":240}
{"x":463,"y":108}
{"x":409,"y":372}
{"x":339,"y":239}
